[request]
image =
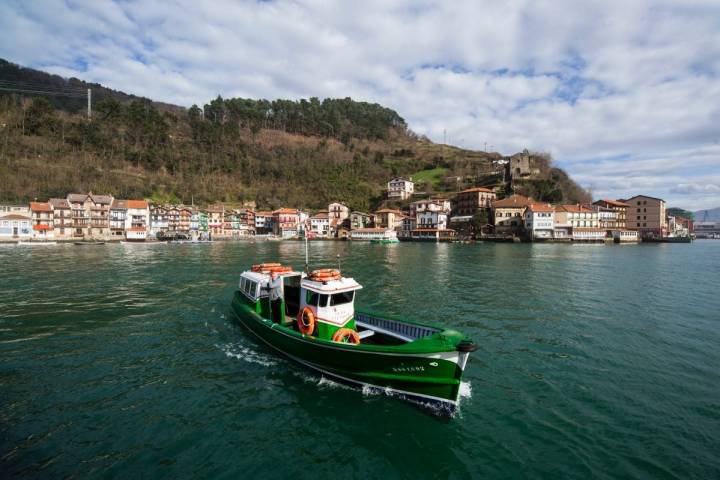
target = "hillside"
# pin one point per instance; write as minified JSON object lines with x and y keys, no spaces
{"x":302,"y":153}
{"x":68,"y":94}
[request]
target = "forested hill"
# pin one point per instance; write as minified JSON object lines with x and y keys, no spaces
{"x":68,"y":94}
{"x":303,"y":153}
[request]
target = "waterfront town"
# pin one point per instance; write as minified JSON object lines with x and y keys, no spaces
{"x":474,"y":213}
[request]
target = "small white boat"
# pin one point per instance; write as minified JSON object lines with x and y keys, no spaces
{"x":33,"y":244}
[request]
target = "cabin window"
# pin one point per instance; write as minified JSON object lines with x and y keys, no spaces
{"x":323,"y":300}
{"x":341,"y":298}
{"x":311,"y":298}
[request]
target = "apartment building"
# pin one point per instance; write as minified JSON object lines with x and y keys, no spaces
{"x":90,"y":215}
{"x":612,"y":214}
{"x":469,"y":201}
{"x":63,"y":222}
{"x":647,"y":215}
{"x":42,"y":220}
{"x":400,"y":189}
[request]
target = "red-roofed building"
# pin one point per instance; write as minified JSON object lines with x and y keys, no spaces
{"x":62,"y":218}
{"x":216,"y":219}
{"x":509,"y":214}
{"x":137,"y":220}
{"x":389,"y":218}
{"x":42,"y":220}
{"x":286,"y":222}
{"x":473,"y":199}
{"x":612,"y":214}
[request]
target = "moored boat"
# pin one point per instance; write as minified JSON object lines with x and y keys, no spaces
{"x":384,"y":240}
{"x":36,"y":243}
{"x":312,"y":319}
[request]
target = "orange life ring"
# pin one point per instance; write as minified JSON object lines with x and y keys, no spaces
{"x":324,"y":274}
{"x":306,"y":321}
{"x":264,"y":266}
{"x":280,"y":269}
{"x":346,"y":335}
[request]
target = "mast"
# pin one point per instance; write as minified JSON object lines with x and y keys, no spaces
{"x":307,"y":261}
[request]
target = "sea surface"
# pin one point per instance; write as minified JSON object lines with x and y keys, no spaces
{"x":124,"y":361}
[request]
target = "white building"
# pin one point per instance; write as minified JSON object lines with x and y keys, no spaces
{"x":400,"y":188}
{"x":432,"y":204}
{"x":432,"y":213}
{"x":137,"y":220}
{"x":540,"y":221}
{"x":158,"y":220}
{"x":320,"y":224}
{"x":194,"y":221}
{"x":15,"y":226}
{"x":622,"y":236}
{"x":432,"y":219}
{"x":373,"y":234}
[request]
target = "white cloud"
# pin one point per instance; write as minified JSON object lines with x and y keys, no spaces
{"x":635,"y":81}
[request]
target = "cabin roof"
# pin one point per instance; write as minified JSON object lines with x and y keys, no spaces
{"x":259,"y":277}
{"x":333,"y":286}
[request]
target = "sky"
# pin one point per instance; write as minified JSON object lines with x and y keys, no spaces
{"x":625,"y":95}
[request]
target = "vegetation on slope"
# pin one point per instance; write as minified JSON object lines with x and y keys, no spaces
{"x":303,"y":153}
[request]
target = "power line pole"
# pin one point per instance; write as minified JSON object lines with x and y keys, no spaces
{"x":89,"y":98}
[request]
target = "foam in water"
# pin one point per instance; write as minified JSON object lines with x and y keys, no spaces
{"x":247,"y":354}
{"x":325,"y":382}
{"x":465,"y":391}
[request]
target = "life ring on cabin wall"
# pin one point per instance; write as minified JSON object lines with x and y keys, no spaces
{"x":306,"y":321}
{"x":346,"y":335}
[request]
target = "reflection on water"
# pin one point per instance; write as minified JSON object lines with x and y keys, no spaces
{"x":123,"y":360}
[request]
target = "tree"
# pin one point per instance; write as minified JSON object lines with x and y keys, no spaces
{"x":479,"y":220}
{"x":40,"y":116}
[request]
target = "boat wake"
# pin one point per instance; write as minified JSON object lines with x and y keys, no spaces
{"x":247,"y":354}
{"x":465,"y":391}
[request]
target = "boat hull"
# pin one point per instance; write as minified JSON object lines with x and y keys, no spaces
{"x":430,"y":376}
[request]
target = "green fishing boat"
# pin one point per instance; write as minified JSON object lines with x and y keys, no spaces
{"x":312,"y":319}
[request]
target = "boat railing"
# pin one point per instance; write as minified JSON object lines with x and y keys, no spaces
{"x":408,"y":331}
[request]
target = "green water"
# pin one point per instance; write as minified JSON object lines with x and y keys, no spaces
{"x":594,"y":362}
